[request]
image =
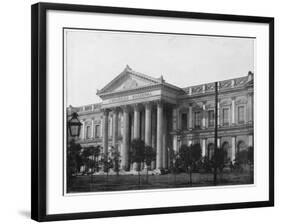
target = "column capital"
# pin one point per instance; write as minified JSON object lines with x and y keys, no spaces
{"x":148,"y":105}
{"x":115,"y":109}
{"x":125,"y":108}
{"x":136,"y":107}
{"x":159,"y":103}
{"x":105,"y":112}
{"x":233,"y":98}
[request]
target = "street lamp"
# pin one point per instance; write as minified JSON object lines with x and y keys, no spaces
{"x":74,"y":125}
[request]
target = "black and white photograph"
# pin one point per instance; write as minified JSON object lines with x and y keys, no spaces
{"x":154,"y":111}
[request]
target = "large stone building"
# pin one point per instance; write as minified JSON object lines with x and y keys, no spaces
{"x":165,"y":116}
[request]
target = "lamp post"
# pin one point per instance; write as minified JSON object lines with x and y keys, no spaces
{"x":73,"y":128}
{"x":74,"y":125}
{"x":216,"y":134}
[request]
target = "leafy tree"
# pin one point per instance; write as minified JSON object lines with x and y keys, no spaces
{"x":107,"y":164}
{"x":190,"y":157}
{"x":90,"y":159}
{"x":95,"y":152}
{"x":86,"y":153}
{"x":116,"y":160}
{"x":242,"y":157}
{"x":175,"y":164}
{"x":138,"y":153}
{"x":221,"y":159}
{"x":196,"y":155}
{"x":207,"y":164}
{"x":245,"y":157}
{"x":149,"y":156}
{"x":251,"y":155}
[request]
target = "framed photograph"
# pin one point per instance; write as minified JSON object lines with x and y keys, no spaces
{"x":140,"y":111}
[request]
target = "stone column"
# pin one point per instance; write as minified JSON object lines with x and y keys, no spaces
{"x":175,"y":119}
{"x":147,"y":125}
{"x":175,"y":143}
{"x":110,"y":126}
{"x":143,"y":125}
{"x":190,"y":116}
{"x":115,"y":129}
{"x":159,"y":135}
{"x":153,"y":135}
{"x":136,"y":128}
{"x":204,"y":115}
{"x":233,"y":111}
{"x":165,"y":152}
{"x":105,"y":132}
{"x":136,"y":122}
{"x":219,"y":142}
{"x":233,"y":148}
{"x":125,"y":146}
{"x":203,"y":147}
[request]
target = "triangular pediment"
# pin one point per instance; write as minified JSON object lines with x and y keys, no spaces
{"x":128,"y":79}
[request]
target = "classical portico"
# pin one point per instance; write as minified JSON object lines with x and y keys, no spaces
{"x":139,"y":99}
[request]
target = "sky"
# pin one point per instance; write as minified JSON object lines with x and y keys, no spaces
{"x":94,"y":58}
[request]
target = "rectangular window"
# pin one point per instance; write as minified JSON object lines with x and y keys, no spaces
{"x":184,"y":121}
{"x":197,"y":119}
{"x":225,"y":116}
{"x":241,"y":114}
{"x":88,"y":132}
{"x":97,"y":131}
{"x":211,"y":118}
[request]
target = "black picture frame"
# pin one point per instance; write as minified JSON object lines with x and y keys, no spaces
{"x":39,"y":115}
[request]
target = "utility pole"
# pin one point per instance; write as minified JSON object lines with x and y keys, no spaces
{"x":216,"y":134}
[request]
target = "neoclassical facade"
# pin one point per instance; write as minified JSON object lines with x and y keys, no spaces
{"x":165,"y":116}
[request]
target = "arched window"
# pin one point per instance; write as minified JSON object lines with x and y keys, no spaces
{"x":241,"y":146}
{"x":97,"y":131}
{"x":211,"y":150}
{"x":197,"y":117}
{"x":184,"y":121}
{"x":88,"y":132}
{"x":226,"y":148}
{"x":241,"y":114}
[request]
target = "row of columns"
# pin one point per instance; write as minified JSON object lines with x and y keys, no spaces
{"x":161,"y":133}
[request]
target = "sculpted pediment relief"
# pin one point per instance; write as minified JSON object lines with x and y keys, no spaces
{"x":128,"y":79}
{"x":130,"y":83}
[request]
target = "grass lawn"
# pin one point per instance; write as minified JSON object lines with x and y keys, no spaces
{"x":130,"y":182}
